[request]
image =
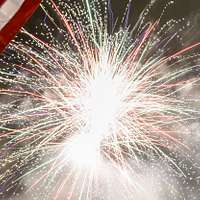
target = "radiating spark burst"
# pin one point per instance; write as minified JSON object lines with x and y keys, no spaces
{"x":94,"y":98}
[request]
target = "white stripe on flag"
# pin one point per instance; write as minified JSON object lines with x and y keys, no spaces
{"x":8,"y":10}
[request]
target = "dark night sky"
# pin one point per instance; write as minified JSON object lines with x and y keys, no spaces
{"x":181,"y":8}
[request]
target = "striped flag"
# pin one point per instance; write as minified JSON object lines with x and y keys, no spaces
{"x":13,"y":15}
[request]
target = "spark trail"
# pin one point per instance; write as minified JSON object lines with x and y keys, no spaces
{"x":91,"y":99}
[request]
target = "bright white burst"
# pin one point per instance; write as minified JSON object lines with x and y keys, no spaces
{"x":86,"y":112}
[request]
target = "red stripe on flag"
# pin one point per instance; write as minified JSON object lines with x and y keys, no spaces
{"x":1,"y":2}
{"x":19,"y":19}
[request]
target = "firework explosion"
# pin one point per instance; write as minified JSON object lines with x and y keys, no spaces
{"x":83,"y":115}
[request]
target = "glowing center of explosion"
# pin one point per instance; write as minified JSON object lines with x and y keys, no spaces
{"x":84,"y":151}
{"x":101,"y":105}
